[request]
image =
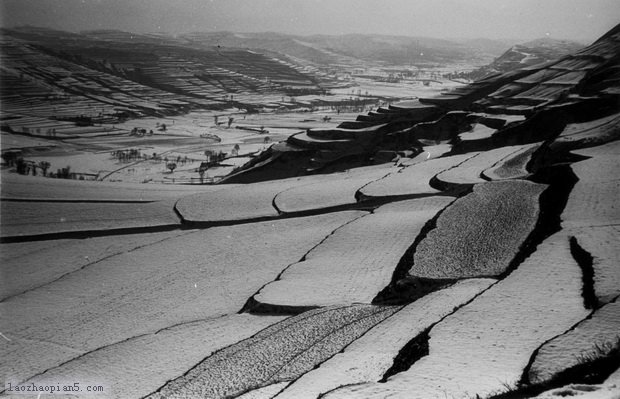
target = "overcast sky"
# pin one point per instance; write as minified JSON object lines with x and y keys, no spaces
{"x":582,"y":20}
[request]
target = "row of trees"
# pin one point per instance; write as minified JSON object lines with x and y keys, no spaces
{"x":132,"y":155}
{"x":129,"y":155}
{"x":22,"y":166}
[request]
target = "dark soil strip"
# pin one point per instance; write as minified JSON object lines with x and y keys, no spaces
{"x":368,"y":205}
{"x":585,"y":262}
{"x":413,"y":351}
{"x":80,"y":234}
{"x":418,"y":347}
{"x":254,"y":307}
{"x":561,"y":181}
{"x":407,"y":288}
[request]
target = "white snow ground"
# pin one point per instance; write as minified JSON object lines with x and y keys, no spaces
{"x":368,"y":358}
{"x":484,"y":346}
{"x":413,"y":179}
{"x":356,"y":262}
{"x":150,"y":288}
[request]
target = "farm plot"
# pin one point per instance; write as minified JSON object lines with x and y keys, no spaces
{"x":267,"y":392}
{"x":592,"y":204}
{"x":151,"y":288}
{"x":483,"y":347}
{"x":33,"y":218}
{"x":593,"y":338}
{"x":600,"y":168}
{"x":591,"y":133}
{"x":356,"y":262}
{"x":513,"y":166}
{"x":478,"y":132}
{"x":479,"y":234}
{"x":282,"y":352}
{"x":332,"y":190}
{"x":414,"y":179}
{"x":249,"y":201}
{"x":40,"y":188}
{"x":470,"y":171}
{"x":428,"y":152}
{"x":27,"y":265}
{"x":601,"y":243}
{"x":612,"y":148}
{"x":140,"y":365}
{"x":369,"y":357}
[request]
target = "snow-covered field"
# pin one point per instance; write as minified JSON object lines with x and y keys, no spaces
{"x":370,"y":357}
{"x":498,"y":216}
{"x":513,"y":166}
{"x":331,"y":190}
{"x":484,"y":346}
{"x":357,"y":261}
{"x":596,"y":336}
{"x":368,"y":283}
{"x":150,"y":288}
{"x":413,"y":179}
{"x":28,"y":218}
{"x":470,"y":171}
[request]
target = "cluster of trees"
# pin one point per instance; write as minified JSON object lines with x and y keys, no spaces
{"x":140,"y":132}
{"x":172,"y":165}
{"x":37,"y":131}
{"x":25,"y":167}
{"x":216,"y":119}
{"x":128,"y":155}
{"x":214,"y":157}
{"x":22,"y":166}
{"x":472,"y":75}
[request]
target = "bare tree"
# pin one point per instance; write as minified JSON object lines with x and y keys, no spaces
{"x":44,"y":165}
{"x":201,"y":171}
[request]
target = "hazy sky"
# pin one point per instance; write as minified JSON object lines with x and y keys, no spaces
{"x":582,"y":20}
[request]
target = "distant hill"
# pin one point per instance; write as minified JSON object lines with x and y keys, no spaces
{"x":494,"y":47}
{"x":355,"y":48}
{"x":125,"y":73}
{"x":134,"y":74}
{"x":529,"y":53}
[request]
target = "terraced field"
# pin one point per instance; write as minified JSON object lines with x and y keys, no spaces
{"x":486,"y":344}
{"x":430,"y":275}
{"x":22,"y":262}
{"x":470,"y":171}
{"x":355,"y":262}
{"x":592,"y":338}
{"x":414,"y":179}
{"x":251,"y":201}
{"x":590,"y":203}
{"x":26,"y":219}
{"x":371,"y":356}
{"x":338,"y":190}
{"x":151,"y":360}
{"x":498,"y":217}
{"x":513,"y":166}
{"x":275,"y":354}
{"x":142,"y":288}
{"x":590,"y":133}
